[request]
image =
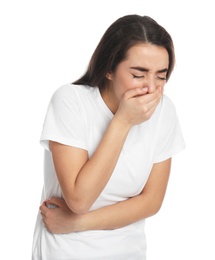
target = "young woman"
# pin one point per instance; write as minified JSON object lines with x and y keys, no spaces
{"x":109,"y":138}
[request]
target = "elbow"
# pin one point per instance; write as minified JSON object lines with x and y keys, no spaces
{"x":78,"y":207}
{"x":154,"y":208}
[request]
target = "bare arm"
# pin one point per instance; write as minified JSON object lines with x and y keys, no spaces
{"x":62,"y":220}
{"x":83,"y":179}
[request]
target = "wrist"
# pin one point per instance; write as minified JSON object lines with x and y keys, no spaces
{"x":121,"y":124}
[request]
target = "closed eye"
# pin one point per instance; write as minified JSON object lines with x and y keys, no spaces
{"x":161,"y":78}
{"x":137,"y":77}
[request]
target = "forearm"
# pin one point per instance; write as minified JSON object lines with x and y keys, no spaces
{"x":120,"y":214}
{"x":95,"y":174}
{"x":61,"y":220}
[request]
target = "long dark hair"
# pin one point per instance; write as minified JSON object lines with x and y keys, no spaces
{"x":116,"y":41}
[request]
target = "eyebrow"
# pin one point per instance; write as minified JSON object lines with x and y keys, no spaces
{"x":146,"y":70}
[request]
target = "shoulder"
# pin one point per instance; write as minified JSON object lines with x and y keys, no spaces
{"x":67,"y":90}
{"x":76,"y":98}
{"x":70,"y":93}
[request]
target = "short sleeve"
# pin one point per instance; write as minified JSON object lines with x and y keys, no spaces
{"x":169,"y":139}
{"x":63,"y":122}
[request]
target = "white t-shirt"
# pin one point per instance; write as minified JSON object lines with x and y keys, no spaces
{"x":77,"y":116}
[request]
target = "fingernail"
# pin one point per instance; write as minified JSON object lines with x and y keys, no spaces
{"x":144,"y":88}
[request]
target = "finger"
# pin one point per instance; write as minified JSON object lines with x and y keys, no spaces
{"x":43,"y":208}
{"x":152,"y":97}
{"x":135,"y":92}
{"x":152,"y":104}
{"x":43,"y":216}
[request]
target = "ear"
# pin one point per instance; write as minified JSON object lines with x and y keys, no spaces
{"x":109,"y":76}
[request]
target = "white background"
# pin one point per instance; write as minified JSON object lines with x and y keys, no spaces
{"x":45,"y":44}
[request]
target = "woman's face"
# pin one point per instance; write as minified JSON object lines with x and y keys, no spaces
{"x":146,"y":65}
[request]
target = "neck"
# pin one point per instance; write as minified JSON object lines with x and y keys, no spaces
{"x":110,"y":99}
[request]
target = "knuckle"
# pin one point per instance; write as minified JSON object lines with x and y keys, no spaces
{"x":147,"y":114}
{"x":140,"y":101}
{"x":145,"y":109}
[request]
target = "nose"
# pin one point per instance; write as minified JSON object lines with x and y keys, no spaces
{"x":151,"y":84}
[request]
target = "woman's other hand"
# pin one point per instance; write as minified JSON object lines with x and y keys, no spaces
{"x":58,"y":218}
